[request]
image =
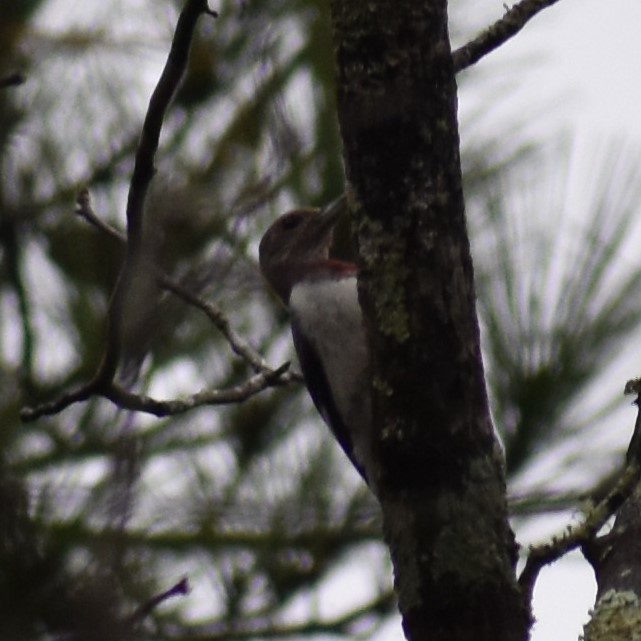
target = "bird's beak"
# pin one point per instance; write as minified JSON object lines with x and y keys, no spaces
{"x":321,"y":227}
{"x":332,"y":212}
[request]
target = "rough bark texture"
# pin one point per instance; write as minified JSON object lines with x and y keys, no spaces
{"x":614,"y":557}
{"x":441,"y":479}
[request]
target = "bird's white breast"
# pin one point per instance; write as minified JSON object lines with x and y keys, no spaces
{"x":329,"y":315}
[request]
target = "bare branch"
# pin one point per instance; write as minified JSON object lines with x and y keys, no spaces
{"x":141,"y":403}
{"x":160,"y":99}
{"x":62,"y":402}
{"x":101,"y":384}
{"x":580,"y":535}
{"x":500,"y":32}
{"x":143,"y":173}
{"x":264,"y":378}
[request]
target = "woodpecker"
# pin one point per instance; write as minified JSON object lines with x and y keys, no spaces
{"x":327,"y":323}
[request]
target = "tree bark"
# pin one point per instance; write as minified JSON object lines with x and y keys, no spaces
{"x":440,"y":479}
{"x":616,"y":556}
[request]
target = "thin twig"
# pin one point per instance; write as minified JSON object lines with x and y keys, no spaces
{"x":237,"y":343}
{"x":265,"y":376}
{"x":62,"y":402}
{"x":180,"y":589}
{"x":159,"y":102}
{"x":141,"y":403}
{"x":500,"y":32}
{"x":85,"y":210}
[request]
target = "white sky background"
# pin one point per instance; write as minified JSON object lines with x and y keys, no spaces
{"x":582,"y":70}
{"x":583,"y":62}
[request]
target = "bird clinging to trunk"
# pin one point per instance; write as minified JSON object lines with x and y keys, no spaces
{"x":327,"y":323}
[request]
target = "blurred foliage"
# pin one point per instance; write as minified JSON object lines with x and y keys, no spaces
{"x":103,"y":510}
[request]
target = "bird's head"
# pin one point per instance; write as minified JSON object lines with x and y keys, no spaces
{"x":296,"y":240}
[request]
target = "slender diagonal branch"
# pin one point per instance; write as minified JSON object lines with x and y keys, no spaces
{"x":144,"y":172}
{"x":85,"y":210}
{"x":142,"y":175}
{"x":179,"y":589}
{"x":141,"y":403}
{"x":160,"y":99}
{"x":237,"y":343}
{"x":576,"y":536}
{"x":82,"y":393}
{"x":500,"y":32}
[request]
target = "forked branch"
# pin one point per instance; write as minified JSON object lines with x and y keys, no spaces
{"x":102,"y":384}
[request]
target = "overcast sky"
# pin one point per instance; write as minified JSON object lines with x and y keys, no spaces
{"x":584,"y":56}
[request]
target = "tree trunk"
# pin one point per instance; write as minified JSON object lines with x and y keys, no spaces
{"x":440,"y":478}
{"x":616,"y":559}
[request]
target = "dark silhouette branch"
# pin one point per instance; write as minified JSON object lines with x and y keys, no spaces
{"x":143,"y":173}
{"x":67,"y":399}
{"x":615,"y":556}
{"x":12,"y":248}
{"x":179,"y":589}
{"x":236,"y":394}
{"x":500,"y":32}
{"x":102,"y":382}
{"x":141,"y":403}
{"x":176,"y":64}
{"x":237,"y":343}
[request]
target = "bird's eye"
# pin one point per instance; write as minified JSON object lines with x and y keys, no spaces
{"x":291,"y":222}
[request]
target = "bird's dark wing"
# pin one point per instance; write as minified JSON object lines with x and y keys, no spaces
{"x":320,"y":391}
